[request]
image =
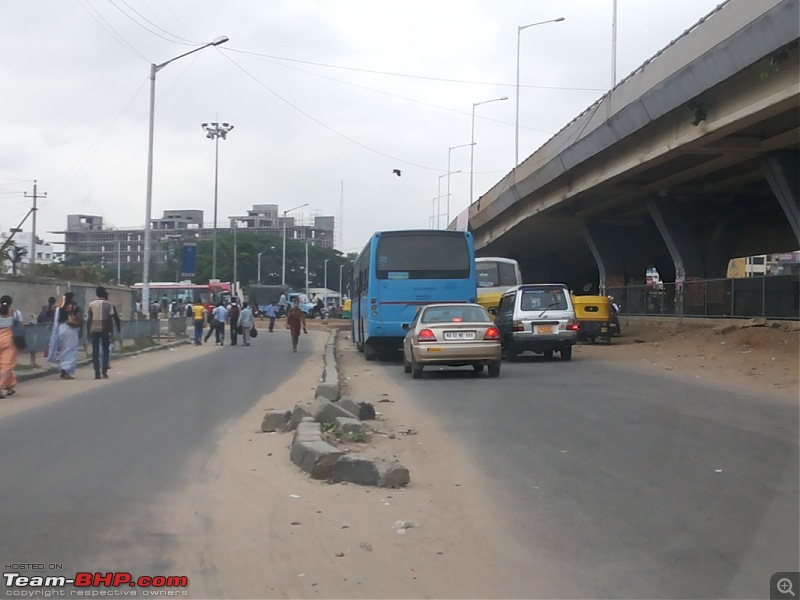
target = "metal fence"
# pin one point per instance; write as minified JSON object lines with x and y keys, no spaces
{"x":37,"y":335}
{"x":772,"y":297}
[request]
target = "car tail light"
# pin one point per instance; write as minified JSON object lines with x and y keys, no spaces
{"x":572,"y":325}
{"x":492,"y":333}
{"x":426,"y":335}
{"x":518,"y":326}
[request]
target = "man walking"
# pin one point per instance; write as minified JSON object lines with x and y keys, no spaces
{"x":218,"y":316}
{"x":100,"y":325}
{"x":246,"y":322}
{"x":272,"y":312}
{"x":233,"y":320}
{"x":198,"y":319}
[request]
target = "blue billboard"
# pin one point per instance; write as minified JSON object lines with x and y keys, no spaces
{"x":188,"y":259}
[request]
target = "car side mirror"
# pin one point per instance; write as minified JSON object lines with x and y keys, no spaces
{"x":492,"y":311}
{"x":404,"y":326}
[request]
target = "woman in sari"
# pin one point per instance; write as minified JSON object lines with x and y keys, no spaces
{"x":8,"y":350}
{"x":65,"y":339}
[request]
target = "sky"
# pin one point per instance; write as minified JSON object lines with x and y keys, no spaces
{"x":327,"y":99}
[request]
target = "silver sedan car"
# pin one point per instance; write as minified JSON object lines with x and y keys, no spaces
{"x":451,"y":335}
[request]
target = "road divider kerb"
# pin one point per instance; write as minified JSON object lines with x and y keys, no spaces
{"x":312,"y":451}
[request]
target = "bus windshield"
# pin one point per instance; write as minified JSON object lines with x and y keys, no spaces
{"x":420,"y":255}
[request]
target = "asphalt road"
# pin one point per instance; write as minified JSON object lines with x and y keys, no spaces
{"x":80,"y":477}
{"x":631,"y":484}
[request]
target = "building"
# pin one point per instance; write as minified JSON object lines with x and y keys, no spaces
{"x":45,"y":254}
{"x":87,"y":238}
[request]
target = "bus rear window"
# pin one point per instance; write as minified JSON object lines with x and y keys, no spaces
{"x":422,"y":256}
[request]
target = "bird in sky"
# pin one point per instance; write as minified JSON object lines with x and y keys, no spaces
{"x":397,"y":172}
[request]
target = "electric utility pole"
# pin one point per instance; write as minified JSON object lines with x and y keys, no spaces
{"x":32,"y":251}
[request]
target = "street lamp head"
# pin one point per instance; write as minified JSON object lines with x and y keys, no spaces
{"x":220,"y":40}
{"x":503,"y":98}
{"x":559,"y":19}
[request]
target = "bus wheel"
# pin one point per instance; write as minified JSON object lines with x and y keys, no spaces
{"x":369,"y":351}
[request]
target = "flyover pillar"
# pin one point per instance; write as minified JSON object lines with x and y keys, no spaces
{"x":680,"y":242}
{"x":602,"y":240}
{"x":782,"y":170}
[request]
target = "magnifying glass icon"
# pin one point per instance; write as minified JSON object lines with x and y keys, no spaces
{"x":784,"y":586}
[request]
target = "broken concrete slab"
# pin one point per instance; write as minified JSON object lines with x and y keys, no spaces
{"x":276,"y":420}
{"x":317,"y":458}
{"x":350,"y":428}
{"x":363,"y":410}
{"x":725,"y":328}
{"x":366,"y":470}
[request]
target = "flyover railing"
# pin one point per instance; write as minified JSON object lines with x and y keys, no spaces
{"x":771,"y":296}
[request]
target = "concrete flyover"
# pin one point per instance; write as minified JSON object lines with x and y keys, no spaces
{"x":688,"y":162}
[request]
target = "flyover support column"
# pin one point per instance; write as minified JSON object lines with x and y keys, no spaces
{"x":682,"y":247}
{"x":602,"y":241}
{"x":782,"y":171}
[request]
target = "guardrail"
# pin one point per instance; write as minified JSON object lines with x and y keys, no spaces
{"x":772,"y":297}
{"x":37,"y":335}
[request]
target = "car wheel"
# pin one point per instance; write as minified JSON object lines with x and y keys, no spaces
{"x":566,"y":353}
{"x":478,"y":367}
{"x":369,"y":351}
{"x":416,"y":369}
{"x":548,"y":354}
{"x":494,"y":369}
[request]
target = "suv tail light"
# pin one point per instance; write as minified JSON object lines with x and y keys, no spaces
{"x":492,"y":333}
{"x":426,"y":335}
{"x":518,"y":326}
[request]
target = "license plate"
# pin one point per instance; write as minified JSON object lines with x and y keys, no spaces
{"x":544,"y":329}
{"x":603,"y":329}
{"x":459,"y":335}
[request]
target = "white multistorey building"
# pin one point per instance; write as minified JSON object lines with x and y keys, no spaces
{"x":45,"y":254}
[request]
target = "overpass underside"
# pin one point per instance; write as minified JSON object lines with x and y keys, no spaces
{"x":714,"y":178}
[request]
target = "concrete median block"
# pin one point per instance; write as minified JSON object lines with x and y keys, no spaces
{"x":363,"y":410}
{"x":317,"y":458}
{"x":366,"y":470}
{"x":350,"y":428}
{"x":276,"y":420}
{"x":328,"y":390}
{"x":301,"y":410}
{"x":323,"y":410}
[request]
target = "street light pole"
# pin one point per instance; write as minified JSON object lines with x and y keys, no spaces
{"x":325,"y":285}
{"x":258,"y":278}
{"x":235,"y":251}
{"x":148,"y":235}
{"x":341,"y":266}
{"x":215,"y":131}
{"x":283,"y":267}
{"x":472,"y":142}
{"x":516,"y":128}
{"x":449,"y":150}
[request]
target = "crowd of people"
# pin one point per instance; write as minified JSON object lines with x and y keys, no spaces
{"x":68,"y":323}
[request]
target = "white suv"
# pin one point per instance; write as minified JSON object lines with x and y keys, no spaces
{"x":539,"y":318}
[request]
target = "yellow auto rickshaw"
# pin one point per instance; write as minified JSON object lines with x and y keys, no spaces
{"x":347,"y":309}
{"x":595,"y":318}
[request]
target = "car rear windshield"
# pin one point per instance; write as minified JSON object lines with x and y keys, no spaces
{"x":544,"y":298}
{"x":423,"y":256}
{"x":456,"y":314}
{"x":494,"y":274}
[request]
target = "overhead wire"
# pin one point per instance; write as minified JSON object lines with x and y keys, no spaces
{"x":178,"y":40}
{"x":106,"y":26}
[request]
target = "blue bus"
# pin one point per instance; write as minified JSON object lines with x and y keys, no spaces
{"x":399,"y":271}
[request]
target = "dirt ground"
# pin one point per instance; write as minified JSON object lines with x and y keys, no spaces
{"x":251,"y":525}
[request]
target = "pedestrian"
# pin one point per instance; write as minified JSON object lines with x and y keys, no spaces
{"x":8,"y":349}
{"x":199,"y":320}
{"x":295,"y":319}
{"x":272,"y":312}
{"x":218,"y":316}
{"x":100,"y":327}
{"x":48,"y":312}
{"x":47,"y":315}
{"x":66,"y":336}
{"x":233,"y":320}
{"x":246,"y":322}
{"x":283,"y":305}
{"x":165,"y":306}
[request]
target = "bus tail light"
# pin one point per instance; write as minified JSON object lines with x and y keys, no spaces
{"x":492,"y":333}
{"x":426,"y":335}
{"x":518,"y":326}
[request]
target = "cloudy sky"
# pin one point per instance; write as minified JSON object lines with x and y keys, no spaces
{"x":327,"y":97}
